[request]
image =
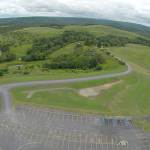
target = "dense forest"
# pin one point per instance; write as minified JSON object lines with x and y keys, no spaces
{"x":43,"y":47}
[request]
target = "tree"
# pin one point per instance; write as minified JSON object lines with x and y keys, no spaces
{"x":99,"y":44}
{"x":93,"y":62}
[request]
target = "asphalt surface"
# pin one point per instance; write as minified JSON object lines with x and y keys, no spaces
{"x":29,"y":128}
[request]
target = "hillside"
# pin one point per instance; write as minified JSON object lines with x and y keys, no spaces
{"x":17,"y":23}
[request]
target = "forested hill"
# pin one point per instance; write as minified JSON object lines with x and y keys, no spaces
{"x":67,"y":21}
{"x":60,"y":21}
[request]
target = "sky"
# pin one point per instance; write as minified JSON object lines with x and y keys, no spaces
{"x":135,"y":11}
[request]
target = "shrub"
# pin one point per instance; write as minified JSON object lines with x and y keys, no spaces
{"x":121,"y":62}
{"x":1,"y":72}
{"x":14,"y":72}
{"x":25,"y":73}
{"x":99,"y":67}
{"x":108,"y":53}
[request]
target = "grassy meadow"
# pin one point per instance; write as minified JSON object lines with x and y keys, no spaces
{"x":120,"y":100}
{"x":134,"y":53}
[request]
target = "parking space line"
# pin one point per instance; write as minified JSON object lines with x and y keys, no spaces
{"x":54,"y":115}
{"x":74,"y":141}
{"x":106,"y":142}
{"x":49,"y":114}
{"x":67,"y":117}
{"x":91,"y":141}
{"x":42,"y":137}
{"x":145,"y":146}
{"x":20,"y":110}
{"x":45,"y":114}
{"x":27,"y":134}
{"x":117,"y":143}
{"x":13,"y":131}
{"x":8,"y":131}
{"x":96,"y":141}
{"x":47,"y":137}
{"x":102,"y":141}
{"x":32,"y":134}
{"x":63,"y":117}
{"x":63,"y":140}
{"x":58,"y":139}
{"x":37,"y":112}
{"x":41,"y":113}
{"x":80,"y":142}
{"x":69,"y":140}
{"x":72,"y":118}
{"x":58,"y":116}
{"x":37,"y":134}
{"x":28,"y":111}
{"x":53,"y":138}
{"x":2,"y":131}
{"x":33,"y":111}
{"x":112,"y":143}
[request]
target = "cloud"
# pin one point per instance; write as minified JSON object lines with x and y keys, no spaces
{"x":137,"y":11}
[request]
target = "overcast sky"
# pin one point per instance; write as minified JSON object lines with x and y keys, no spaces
{"x":137,"y":11}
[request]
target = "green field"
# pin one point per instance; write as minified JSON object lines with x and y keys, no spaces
{"x":20,"y":50}
{"x":99,"y":30}
{"x":134,"y":53}
{"x":122,"y":99}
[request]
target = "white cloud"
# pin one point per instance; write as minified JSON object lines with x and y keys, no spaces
{"x":137,"y":11}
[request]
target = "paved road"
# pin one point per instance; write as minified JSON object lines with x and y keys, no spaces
{"x":6,"y":98}
{"x":29,"y":128}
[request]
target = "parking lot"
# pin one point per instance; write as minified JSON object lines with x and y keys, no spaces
{"x":37,"y":128}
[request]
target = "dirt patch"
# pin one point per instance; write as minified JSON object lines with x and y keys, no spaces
{"x":30,"y":94}
{"x":93,"y":92}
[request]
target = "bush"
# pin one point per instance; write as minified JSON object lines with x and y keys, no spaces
{"x":14,"y":72}
{"x":108,"y":53}
{"x":99,"y":67}
{"x":121,"y":62}
{"x":25,"y":73}
{"x":1,"y":72}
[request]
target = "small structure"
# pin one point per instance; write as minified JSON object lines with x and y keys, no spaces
{"x":0,"y":52}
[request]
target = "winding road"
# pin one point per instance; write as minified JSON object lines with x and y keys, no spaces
{"x":6,"y":98}
{"x":25,"y":129}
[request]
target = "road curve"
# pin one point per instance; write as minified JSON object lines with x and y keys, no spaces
{"x":6,"y":98}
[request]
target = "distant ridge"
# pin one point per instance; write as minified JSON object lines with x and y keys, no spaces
{"x":67,"y":21}
{"x":22,"y":22}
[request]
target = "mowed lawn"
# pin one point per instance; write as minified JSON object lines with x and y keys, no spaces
{"x":129,"y":98}
{"x":134,"y":53}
